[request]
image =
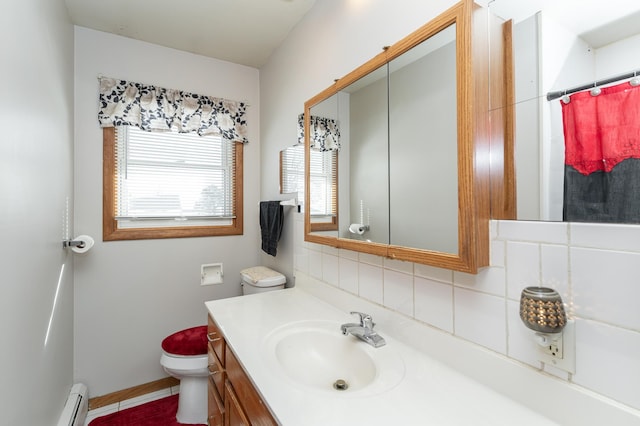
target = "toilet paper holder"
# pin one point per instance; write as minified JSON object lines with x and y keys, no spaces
{"x":80,"y":244}
{"x":73,"y":243}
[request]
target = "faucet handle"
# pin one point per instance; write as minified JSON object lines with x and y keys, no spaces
{"x":365,"y":320}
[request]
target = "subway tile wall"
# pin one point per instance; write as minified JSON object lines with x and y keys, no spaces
{"x":596,"y":269}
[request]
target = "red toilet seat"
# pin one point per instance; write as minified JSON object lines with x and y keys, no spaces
{"x":190,"y":341}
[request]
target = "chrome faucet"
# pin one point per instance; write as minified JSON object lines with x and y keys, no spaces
{"x":364,"y":330}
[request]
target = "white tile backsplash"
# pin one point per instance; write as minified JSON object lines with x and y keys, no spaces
{"x":330,"y":269}
{"x":481,"y":318}
{"x":370,"y":259}
{"x":520,"y":344}
{"x":523,"y":267}
{"x":608,"y":361}
{"x":497,"y":253}
{"x":555,"y":269}
{"x":315,"y":264}
{"x":399,"y":265}
{"x":605,"y":286}
{"x":610,"y":237}
{"x":348,"y":275}
{"x":398,"y":291}
{"x":371,"y":283}
{"x":348,"y":254}
{"x":436,"y":274}
{"x":594,"y":267}
{"x":538,"y":232}
{"x":487,"y":280}
{"x":434,"y":303}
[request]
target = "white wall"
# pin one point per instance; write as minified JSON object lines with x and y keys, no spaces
{"x":131,"y":294}
{"x":36,"y":185}
{"x":589,"y":264}
{"x":618,"y":58}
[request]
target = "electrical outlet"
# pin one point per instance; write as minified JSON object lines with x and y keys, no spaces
{"x":553,"y":346}
{"x":559,"y":350}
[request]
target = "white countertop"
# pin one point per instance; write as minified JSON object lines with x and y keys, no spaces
{"x":430,"y":393}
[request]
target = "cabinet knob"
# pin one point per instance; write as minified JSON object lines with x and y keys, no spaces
{"x":215,"y":371}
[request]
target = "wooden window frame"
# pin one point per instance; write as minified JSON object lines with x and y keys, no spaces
{"x":110,"y":230}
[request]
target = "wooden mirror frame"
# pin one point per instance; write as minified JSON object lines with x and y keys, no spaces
{"x":473,"y":133}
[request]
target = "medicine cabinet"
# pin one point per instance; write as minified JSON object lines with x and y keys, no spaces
{"x":412,"y":134}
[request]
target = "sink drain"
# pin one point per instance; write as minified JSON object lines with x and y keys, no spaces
{"x":340,"y":385}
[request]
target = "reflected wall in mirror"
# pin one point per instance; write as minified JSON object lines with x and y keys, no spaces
{"x":559,"y":46}
{"x":364,"y":165}
{"x":423,"y":151}
{"x":411,"y":186}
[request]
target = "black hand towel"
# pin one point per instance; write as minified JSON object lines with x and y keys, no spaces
{"x":271,"y":221}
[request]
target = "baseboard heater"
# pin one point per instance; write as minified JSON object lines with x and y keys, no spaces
{"x":76,"y":408}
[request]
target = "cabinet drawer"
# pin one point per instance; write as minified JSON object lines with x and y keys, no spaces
{"x":216,"y":406}
{"x":216,"y":340}
{"x":254,"y":408}
{"x":216,"y":371}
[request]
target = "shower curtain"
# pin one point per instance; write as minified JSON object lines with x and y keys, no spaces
{"x":602,"y":155}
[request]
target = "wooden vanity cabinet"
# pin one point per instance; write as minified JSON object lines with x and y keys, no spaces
{"x":233,"y":400}
{"x":217,"y":374}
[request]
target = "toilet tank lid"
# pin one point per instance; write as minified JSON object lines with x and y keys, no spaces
{"x":261,"y":276}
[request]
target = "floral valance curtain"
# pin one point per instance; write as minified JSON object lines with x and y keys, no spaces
{"x":325,"y":134}
{"x":602,"y":155}
{"x":155,"y":109}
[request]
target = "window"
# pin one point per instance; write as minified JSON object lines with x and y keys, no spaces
{"x":323,"y":181}
{"x":292,"y":170}
{"x":170,"y":185}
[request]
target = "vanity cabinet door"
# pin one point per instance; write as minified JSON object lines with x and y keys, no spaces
{"x":235,"y":415}
{"x":216,"y":406}
{"x":251,"y":402}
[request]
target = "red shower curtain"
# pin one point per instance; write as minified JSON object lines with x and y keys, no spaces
{"x":602,"y":155}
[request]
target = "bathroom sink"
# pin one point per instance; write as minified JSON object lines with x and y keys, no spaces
{"x":317,"y":356}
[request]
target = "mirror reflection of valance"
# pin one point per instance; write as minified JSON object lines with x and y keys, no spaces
{"x":325,"y":134}
{"x":155,"y":109}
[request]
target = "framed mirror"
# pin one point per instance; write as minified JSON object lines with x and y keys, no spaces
{"x":557,"y":47}
{"x":411,"y":123}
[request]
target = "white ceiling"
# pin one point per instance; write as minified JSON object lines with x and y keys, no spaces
{"x":240,"y":31}
{"x":248,"y":31}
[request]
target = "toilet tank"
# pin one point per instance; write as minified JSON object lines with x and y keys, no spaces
{"x":260,"y":279}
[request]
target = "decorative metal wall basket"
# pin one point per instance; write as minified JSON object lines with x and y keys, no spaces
{"x":542,"y":310}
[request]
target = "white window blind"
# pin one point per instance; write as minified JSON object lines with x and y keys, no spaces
{"x":292,"y":173}
{"x":173,"y":176}
{"x":323,"y":180}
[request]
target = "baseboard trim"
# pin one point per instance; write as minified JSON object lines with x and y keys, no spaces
{"x":124,"y":394}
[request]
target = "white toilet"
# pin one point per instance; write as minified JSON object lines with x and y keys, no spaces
{"x":184,"y":353}
{"x":260,"y":279}
{"x":184,"y":356}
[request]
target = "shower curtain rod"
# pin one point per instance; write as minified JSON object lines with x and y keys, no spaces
{"x":555,"y":95}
